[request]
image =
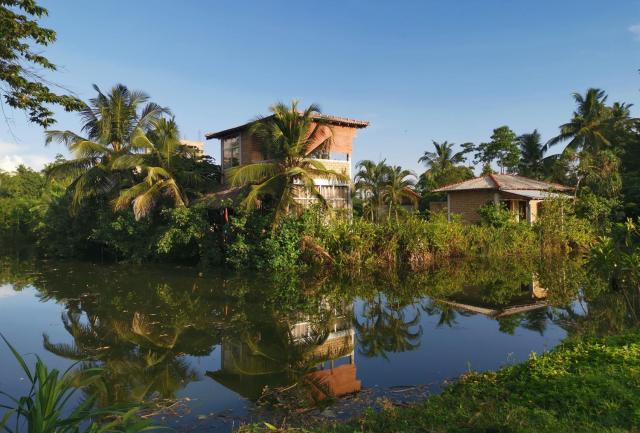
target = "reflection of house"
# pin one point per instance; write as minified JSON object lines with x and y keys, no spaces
{"x":532,"y":298}
{"x":521,"y":195}
{"x":247,"y":371}
{"x":238,"y":146}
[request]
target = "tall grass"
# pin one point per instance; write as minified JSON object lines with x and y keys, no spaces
{"x":412,"y":242}
{"x":47,"y":406}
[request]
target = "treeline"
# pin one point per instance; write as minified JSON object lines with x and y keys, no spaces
{"x":133,"y":192}
{"x":601,"y":160}
{"x":128,"y":192}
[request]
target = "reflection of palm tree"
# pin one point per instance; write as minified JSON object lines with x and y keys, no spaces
{"x":385,"y":328}
{"x":536,"y":320}
{"x":448,"y":313}
{"x":131,"y":373}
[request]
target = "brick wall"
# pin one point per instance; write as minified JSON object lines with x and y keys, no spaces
{"x":467,"y":203}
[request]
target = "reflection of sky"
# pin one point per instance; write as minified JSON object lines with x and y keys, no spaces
{"x":472,"y":342}
{"x":6,"y":291}
{"x":442,"y":352}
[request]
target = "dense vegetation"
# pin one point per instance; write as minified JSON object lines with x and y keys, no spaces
{"x":132,"y":192}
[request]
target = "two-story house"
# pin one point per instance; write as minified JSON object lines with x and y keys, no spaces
{"x":238,"y":146}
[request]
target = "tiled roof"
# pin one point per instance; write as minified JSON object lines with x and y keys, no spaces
{"x":502,"y":182}
{"x":336,"y":120}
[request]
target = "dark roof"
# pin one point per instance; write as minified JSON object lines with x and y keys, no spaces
{"x":335,"y":120}
{"x":502,"y":182}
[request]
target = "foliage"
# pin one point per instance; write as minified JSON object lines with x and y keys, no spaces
{"x":443,"y":168}
{"x":21,"y":40}
{"x":496,"y":215}
{"x":617,"y":258}
{"x":115,"y":124}
{"x":20,"y":196}
{"x":443,"y":157}
{"x":503,"y":149}
{"x":47,"y":408}
{"x":559,"y":229}
{"x":587,"y":128}
{"x":380,"y":185}
{"x":370,"y":181}
{"x":533,"y":163}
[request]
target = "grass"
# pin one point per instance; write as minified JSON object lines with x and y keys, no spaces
{"x":588,"y":385}
{"x":48,"y":406}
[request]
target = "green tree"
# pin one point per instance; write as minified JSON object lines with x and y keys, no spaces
{"x":399,"y":187}
{"x":20,"y":60}
{"x":158,"y":176}
{"x":443,"y":157}
{"x":532,"y":162}
{"x":587,"y":128}
{"x":503,"y":149}
{"x":370,"y":182}
{"x":287,"y":138}
{"x":21,"y":198}
{"x":443,"y":168}
{"x":115,"y":125}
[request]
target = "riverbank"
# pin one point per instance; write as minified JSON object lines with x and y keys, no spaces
{"x":585,"y":385}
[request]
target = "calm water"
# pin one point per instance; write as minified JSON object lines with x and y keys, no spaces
{"x":208,"y":347}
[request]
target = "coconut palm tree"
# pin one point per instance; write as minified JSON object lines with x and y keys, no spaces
{"x":442,"y":158}
{"x":384,"y":327}
{"x":110,"y":123}
{"x":288,"y":137}
{"x":587,"y":129}
{"x":399,"y":186}
{"x":533,"y":163}
{"x":370,"y":181}
{"x":162,"y":145}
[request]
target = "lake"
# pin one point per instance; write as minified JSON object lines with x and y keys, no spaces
{"x":216,"y":349}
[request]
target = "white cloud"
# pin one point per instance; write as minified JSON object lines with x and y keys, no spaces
{"x":635,"y":29}
{"x":10,"y":162}
{"x":11,"y":157}
{"x":6,"y":291}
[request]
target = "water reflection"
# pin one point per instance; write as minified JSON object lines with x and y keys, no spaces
{"x":294,"y":340}
{"x":387,"y":325}
{"x":279,"y":352}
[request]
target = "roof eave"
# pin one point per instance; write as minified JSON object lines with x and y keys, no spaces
{"x":334,"y":120}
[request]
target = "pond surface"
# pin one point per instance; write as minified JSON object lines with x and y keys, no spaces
{"x":214,"y":350}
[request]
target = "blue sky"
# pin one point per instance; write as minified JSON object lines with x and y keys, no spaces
{"x":417,"y":70}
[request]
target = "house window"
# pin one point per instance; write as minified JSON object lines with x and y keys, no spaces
{"x":231,"y":151}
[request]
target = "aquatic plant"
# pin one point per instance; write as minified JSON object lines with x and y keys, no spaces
{"x":48,"y":405}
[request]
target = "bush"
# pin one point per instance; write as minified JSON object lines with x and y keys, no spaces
{"x":559,"y":229}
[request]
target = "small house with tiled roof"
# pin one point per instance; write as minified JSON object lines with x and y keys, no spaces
{"x":238,"y":146}
{"x":521,"y":195}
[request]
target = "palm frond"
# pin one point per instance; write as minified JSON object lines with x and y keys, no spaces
{"x":128,"y":161}
{"x":251,"y":173}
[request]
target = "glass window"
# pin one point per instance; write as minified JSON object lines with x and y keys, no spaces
{"x":231,"y":151}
